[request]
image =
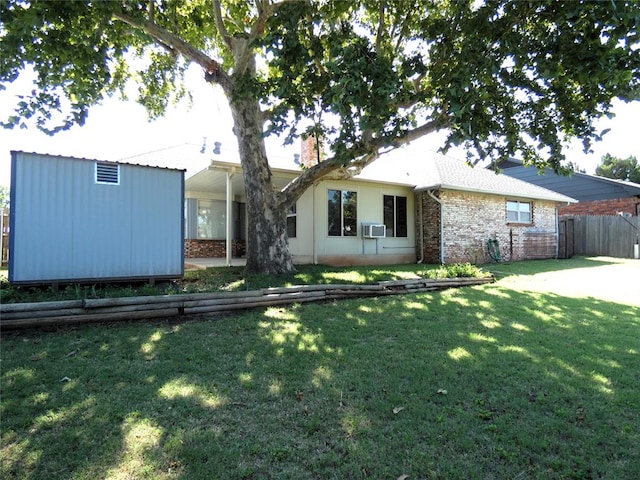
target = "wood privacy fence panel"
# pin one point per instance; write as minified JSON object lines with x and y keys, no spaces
{"x":605,"y":235}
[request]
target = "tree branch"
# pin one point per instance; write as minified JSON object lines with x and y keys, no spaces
{"x":411,"y":135}
{"x":403,"y":27}
{"x":213,"y":69}
{"x":245,"y":55}
{"x":380,"y":31}
{"x":363,"y":156}
{"x":222,"y":30}
{"x":312,"y":175}
{"x":264,"y":12}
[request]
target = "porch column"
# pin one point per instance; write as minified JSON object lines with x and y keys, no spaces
{"x":229,"y":219}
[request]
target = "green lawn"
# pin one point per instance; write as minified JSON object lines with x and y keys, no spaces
{"x":225,"y":279}
{"x":503,"y":381}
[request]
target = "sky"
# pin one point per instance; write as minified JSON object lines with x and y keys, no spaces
{"x":117,"y":129}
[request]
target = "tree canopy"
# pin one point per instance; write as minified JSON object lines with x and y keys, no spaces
{"x":503,"y":78}
{"x":619,"y":168}
{"x":4,"y":197}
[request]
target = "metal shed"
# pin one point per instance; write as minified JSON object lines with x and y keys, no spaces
{"x":81,"y":220}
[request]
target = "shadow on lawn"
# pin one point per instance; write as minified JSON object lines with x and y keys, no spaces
{"x":473,"y":383}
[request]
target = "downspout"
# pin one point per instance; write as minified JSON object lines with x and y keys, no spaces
{"x":421,"y":227}
{"x":558,"y":234}
{"x":313,"y":225}
{"x":430,"y":193}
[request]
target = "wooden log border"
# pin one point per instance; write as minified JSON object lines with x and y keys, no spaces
{"x":28,"y":315}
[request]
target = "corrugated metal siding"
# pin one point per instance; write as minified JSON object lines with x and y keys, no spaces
{"x":66,"y":226}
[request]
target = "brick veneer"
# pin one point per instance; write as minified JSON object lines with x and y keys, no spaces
{"x":198,"y":248}
{"x":431,"y":228}
{"x":471,"y":219}
{"x":603,"y":207}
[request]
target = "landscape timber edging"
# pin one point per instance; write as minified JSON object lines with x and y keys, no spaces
{"x":15,"y":316}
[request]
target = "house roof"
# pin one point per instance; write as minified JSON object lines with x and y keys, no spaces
{"x":431,"y":170}
{"x":185,"y":156}
{"x":452,"y":174}
{"x":412,"y":168}
{"x":581,"y":186}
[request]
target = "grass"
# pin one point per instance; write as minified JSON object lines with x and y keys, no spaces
{"x":233,"y":279}
{"x":497,"y":381}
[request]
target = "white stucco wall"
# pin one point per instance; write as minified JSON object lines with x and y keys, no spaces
{"x":313,"y":243}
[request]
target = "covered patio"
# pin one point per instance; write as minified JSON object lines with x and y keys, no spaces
{"x":216,"y":223}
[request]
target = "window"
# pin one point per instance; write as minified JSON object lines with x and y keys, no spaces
{"x":519,"y":212}
{"x":395,"y":215}
{"x":342,"y":213}
{"x":212,"y":219}
{"x":292,"y":221}
{"x":107,"y":173}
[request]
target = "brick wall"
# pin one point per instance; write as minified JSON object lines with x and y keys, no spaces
{"x":196,"y":248}
{"x":431,"y":228}
{"x":603,"y":207}
{"x":471,"y":219}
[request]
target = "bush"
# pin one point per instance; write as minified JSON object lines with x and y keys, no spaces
{"x":456,"y":270}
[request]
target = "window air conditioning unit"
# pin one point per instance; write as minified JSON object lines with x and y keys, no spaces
{"x":372,"y":230}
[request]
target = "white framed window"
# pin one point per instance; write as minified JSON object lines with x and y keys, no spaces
{"x":342,"y":213}
{"x":107,"y":173}
{"x":519,"y":212}
{"x":292,"y":220}
{"x":394,"y":211}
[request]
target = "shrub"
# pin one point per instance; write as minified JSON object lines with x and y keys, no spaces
{"x":456,"y":270}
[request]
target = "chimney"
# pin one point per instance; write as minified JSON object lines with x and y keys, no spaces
{"x":310,"y":151}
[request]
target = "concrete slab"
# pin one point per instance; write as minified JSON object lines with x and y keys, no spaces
{"x":204,"y":263}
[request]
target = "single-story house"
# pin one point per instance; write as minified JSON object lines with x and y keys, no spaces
{"x":596,"y":195}
{"x":404,"y":208}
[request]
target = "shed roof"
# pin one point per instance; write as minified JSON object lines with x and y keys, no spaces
{"x":581,"y":186}
{"x":83,"y":159}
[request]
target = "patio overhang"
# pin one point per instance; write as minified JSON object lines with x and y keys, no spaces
{"x":226,"y":180}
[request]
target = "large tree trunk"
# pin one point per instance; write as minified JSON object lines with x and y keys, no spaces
{"x":267,"y":244}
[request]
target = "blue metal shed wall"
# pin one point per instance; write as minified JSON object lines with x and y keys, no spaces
{"x":67,"y":227}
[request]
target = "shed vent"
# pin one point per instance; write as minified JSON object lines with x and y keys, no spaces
{"x":108,"y":173}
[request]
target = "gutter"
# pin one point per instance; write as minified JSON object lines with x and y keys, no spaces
{"x":313,"y":226}
{"x":557,"y":197}
{"x":430,"y":193}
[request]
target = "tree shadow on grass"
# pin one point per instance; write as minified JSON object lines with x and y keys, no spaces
{"x":480,"y":382}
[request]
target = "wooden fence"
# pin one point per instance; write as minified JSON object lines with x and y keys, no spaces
{"x":39,"y":314}
{"x":605,"y":235}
